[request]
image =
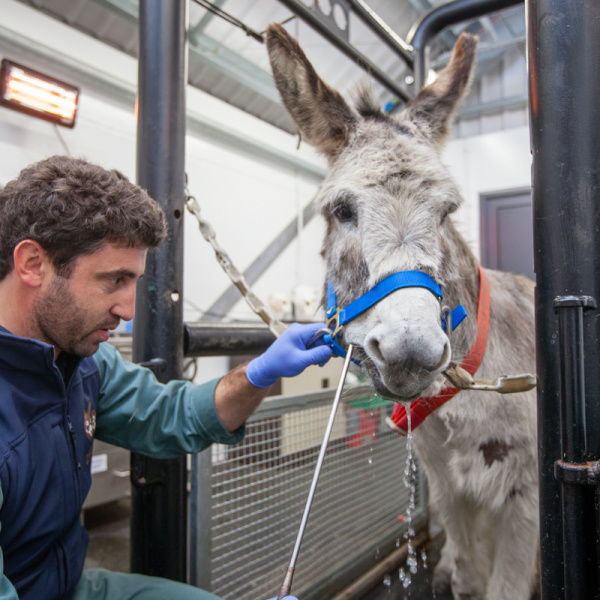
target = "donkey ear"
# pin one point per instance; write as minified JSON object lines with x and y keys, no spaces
{"x":434,"y":107}
{"x":320,"y":113}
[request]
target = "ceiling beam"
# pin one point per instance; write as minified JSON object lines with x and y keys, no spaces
{"x":212,"y":53}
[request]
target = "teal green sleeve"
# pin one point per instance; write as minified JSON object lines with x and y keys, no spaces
{"x":137,"y":412}
{"x":7,"y":590}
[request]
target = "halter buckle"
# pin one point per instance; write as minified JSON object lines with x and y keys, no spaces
{"x":333,"y":322}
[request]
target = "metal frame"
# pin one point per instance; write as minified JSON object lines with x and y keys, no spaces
{"x":280,"y":474}
{"x":434,"y":21}
{"x":159,"y":492}
{"x":563,"y":58}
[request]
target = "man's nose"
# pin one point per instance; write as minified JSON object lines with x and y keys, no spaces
{"x":125,"y":307}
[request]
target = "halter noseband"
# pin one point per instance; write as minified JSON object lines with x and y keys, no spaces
{"x":337,"y":318}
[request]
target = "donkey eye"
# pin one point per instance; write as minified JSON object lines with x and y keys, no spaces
{"x":343,"y":213}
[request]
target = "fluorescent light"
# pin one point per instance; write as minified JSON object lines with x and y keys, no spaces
{"x":36,"y":94}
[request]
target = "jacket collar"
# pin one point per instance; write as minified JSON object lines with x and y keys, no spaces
{"x":25,"y":354}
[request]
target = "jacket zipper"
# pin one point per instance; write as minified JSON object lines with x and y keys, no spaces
{"x":73,"y":440}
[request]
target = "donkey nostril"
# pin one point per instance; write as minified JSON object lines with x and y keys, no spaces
{"x":445,"y":357}
{"x":373,"y":349}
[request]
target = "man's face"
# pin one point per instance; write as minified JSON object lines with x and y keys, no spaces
{"x":76,"y":313}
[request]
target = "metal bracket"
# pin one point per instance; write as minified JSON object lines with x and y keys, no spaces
{"x":585,"y":302}
{"x":329,"y":20}
{"x":577,"y":474}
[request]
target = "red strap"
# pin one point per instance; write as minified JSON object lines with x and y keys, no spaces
{"x":421,"y":408}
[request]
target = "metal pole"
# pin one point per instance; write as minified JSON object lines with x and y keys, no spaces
{"x":564,"y":95}
{"x":159,"y":498}
{"x":221,"y":339}
{"x":433,"y":21}
{"x":289,"y":576}
{"x":573,"y":457}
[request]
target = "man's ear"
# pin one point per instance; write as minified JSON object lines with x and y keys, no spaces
{"x":32,"y":263}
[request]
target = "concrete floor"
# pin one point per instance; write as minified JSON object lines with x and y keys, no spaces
{"x":108,"y":526}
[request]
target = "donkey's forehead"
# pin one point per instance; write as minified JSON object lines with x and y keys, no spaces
{"x":383,"y":152}
{"x":379,"y":151}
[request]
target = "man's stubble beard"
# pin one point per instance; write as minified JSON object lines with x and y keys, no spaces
{"x":61,"y":322}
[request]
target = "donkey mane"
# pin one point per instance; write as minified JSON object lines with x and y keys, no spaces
{"x":367,"y":107}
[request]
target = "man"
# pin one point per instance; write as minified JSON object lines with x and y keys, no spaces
{"x":73,"y":243}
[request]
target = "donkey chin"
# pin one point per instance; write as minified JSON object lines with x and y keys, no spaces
{"x":401,"y":385}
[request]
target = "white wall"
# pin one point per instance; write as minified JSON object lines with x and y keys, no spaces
{"x":248,"y":198}
{"x":486,"y":163}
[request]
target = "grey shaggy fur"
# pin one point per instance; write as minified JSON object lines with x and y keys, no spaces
{"x":387,"y":201}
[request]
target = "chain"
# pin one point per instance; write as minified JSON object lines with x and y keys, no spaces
{"x":208,"y":233}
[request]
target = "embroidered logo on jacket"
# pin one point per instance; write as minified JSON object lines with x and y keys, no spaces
{"x":89,"y":421}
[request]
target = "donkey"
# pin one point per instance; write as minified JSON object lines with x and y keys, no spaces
{"x":387,"y":201}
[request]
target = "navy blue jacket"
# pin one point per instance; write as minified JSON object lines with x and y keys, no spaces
{"x":48,"y":422}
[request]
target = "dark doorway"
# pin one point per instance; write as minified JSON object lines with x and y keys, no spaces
{"x":507,"y":232}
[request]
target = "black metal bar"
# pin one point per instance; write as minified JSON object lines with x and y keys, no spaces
{"x":306,"y":14}
{"x":573,"y":439}
{"x":440,"y":17}
{"x":159,"y":496}
{"x":216,"y":339}
{"x":564,"y":94}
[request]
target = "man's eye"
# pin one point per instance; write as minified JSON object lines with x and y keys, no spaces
{"x":343,"y":213}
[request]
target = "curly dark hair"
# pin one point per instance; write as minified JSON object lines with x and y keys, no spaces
{"x":71,"y":208}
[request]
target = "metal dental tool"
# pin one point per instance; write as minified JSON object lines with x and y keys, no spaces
{"x":508,"y":384}
{"x":287,"y":582}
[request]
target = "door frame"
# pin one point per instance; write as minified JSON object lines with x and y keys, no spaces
{"x":488,"y":235}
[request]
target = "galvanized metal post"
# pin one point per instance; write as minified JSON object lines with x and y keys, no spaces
{"x":564,"y":60}
{"x":159,"y":496}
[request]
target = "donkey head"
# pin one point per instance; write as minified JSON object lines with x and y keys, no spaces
{"x":386,"y":200}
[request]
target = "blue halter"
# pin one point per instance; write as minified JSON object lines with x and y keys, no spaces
{"x":337,"y":318}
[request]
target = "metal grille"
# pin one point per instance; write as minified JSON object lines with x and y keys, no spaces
{"x":259,"y":488}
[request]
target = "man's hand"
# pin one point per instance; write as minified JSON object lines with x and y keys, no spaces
{"x":288,"y":356}
{"x":239,"y":393}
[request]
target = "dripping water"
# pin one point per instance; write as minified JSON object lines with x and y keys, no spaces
{"x":409,"y":482}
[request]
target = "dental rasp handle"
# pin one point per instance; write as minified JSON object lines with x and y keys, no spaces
{"x":286,"y":587}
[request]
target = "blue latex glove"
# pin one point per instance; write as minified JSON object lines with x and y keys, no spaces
{"x":288,"y":355}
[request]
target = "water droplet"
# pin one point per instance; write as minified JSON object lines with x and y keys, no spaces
{"x":398,"y":543}
{"x":387,"y":581}
{"x":370,"y":460}
{"x":406,"y":581}
{"x":401,"y":574}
